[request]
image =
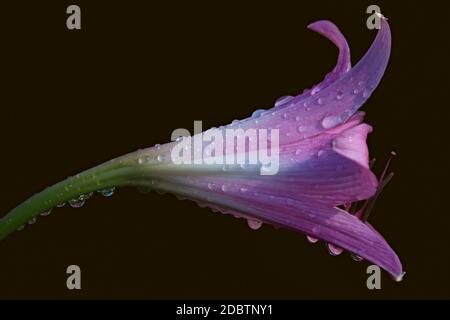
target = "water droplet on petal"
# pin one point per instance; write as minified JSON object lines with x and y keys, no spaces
{"x":315,"y":90}
{"x":210,"y":186}
{"x":243,"y":189}
{"x":298,"y":152}
{"x":254,"y":224}
{"x":32,"y":220}
{"x":158,"y":146}
{"x":400,"y":277}
{"x":160,"y":158}
{"x":333,"y":250}
{"x":360,"y":83}
{"x":355,"y":91}
{"x":257,"y":113}
{"x":339,"y":95}
{"x":285,"y":116}
{"x":301,"y":129}
{"x":366,"y":93}
{"x":282,"y":100}
{"x":330,"y":121}
{"x":61,"y":205}
{"x":107,"y":192}
{"x":298,"y":118}
{"x":21,"y":227}
{"x":224,"y":188}
{"x":311,"y":239}
{"x":319,"y":101}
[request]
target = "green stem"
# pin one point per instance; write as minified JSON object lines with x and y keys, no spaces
{"x":113,"y":173}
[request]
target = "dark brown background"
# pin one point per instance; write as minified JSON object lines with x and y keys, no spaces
{"x":139,"y":69}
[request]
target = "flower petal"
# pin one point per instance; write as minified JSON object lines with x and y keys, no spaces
{"x":329,"y":30}
{"x":304,"y":117}
{"x":330,"y":168}
{"x":324,"y":222}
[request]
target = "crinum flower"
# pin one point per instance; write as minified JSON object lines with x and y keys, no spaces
{"x":318,"y":139}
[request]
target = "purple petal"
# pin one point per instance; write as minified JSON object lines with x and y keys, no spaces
{"x":331,"y":32}
{"x":320,"y":221}
{"x":305,"y":117}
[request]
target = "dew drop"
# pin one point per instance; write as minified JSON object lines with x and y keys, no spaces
{"x":282,"y":100}
{"x":142,"y":160}
{"x":301,"y":129}
{"x":210,"y":186}
{"x":339,"y":95}
{"x":355,"y":91}
{"x":224,"y":188}
{"x":360,"y":83}
{"x":160,"y":158}
{"x":333,"y":250}
{"x":315,"y":90}
{"x":285,"y":116}
{"x":243,"y":189}
{"x":311,"y":239}
{"x":298,"y":152}
{"x":107,"y":192}
{"x":366,"y":93}
{"x":319,"y":101}
{"x":330,"y":121}
{"x":61,"y":205}
{"x":400,"y":277}
{"x":257,"y":113}
{"x":21,"y":227}
{"x":32,"y":220}
{"x":356,"y":257}
{"x":158,"y":146}
{"x":298,"y":118}
{"x":46,"y":213}
{"x":254,"y":224}
{"x":76,"y":203}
